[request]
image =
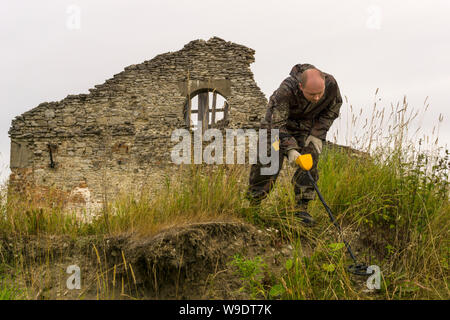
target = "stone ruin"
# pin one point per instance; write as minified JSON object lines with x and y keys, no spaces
{"x":118,"y":136}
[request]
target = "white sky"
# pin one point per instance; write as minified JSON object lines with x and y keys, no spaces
{"x":50,"y":49}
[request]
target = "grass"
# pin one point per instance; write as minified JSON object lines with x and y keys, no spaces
{"x":195,"y":194}
{"x":392,"y":203}
{"x":8,"y":289}
{"x":10,"y":292}
{"x":404,"y":221}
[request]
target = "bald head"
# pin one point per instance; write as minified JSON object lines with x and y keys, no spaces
{"x":312,"y":84}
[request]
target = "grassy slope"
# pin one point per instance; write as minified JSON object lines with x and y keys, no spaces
{"x":403,"y":218}
{"x":394,"y":209}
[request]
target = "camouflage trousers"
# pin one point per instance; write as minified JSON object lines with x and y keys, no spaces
{"x":260,"y":185}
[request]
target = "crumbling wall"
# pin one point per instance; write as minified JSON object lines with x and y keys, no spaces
{"x":118,"y":136}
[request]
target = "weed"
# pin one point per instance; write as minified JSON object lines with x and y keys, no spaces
{"x":251,"y":273}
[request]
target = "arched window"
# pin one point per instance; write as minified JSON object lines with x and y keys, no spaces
{"x":207,"y":107}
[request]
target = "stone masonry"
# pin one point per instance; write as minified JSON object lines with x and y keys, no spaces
{"x":118,"y":137}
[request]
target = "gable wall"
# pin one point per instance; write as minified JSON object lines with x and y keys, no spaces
{"x":118,"y":136}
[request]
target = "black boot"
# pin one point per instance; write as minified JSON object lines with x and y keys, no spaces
{"x":303,"y":215}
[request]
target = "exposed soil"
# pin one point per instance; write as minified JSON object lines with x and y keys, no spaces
{"x":188,"y":262}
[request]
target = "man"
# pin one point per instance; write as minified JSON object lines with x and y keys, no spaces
{"x":302,"y":109}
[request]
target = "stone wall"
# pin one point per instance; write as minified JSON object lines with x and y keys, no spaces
{"x":117,"y":137}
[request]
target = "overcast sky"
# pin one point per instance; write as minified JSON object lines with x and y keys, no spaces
{"x":50,"y":49}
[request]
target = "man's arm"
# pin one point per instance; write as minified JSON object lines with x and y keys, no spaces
{"x":327,"y":117}
{"x":277,"y":116}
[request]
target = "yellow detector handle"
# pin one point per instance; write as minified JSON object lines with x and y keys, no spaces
{"x":305,"y":161}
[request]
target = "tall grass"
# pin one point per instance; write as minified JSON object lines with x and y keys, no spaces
{"x":9,"y":291}
{"x":190,"y":194}
{"x":195,"y":194}
{"x":396,"y":197}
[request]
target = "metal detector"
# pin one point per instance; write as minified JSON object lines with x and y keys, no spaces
{"x":305,"y":162}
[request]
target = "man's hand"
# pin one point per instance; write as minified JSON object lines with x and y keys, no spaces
{"x":293,"y":155}
{"x":317,"y":143}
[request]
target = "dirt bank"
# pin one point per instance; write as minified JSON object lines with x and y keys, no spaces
{"x":186,"y":262}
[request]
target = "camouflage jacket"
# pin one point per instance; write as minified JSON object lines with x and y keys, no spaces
{"x":295,"y":117}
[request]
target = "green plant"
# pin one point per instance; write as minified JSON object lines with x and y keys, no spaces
{"x":9,"y":291}
{"x":319,"y":276}
{"x":251,"y":272}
